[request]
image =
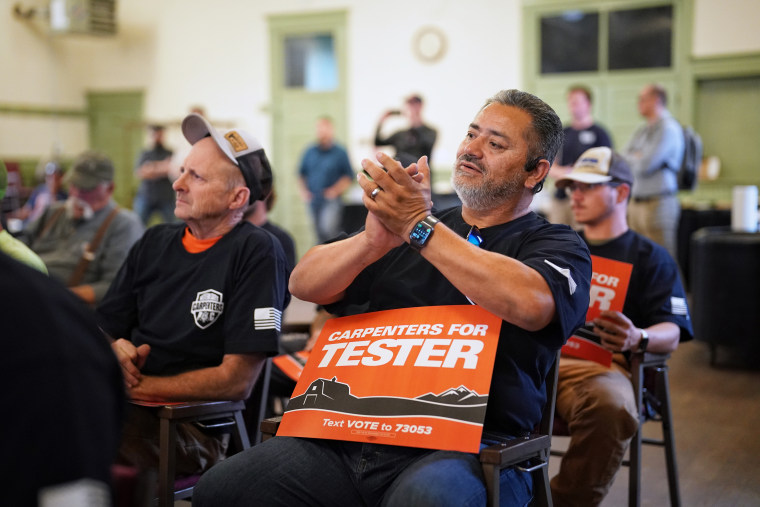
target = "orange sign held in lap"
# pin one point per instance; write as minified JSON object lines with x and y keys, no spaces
{"x":417,"y":377}
{"x":609,"y":286}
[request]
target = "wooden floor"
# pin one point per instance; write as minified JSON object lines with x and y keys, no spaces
{"x":716,"y":412}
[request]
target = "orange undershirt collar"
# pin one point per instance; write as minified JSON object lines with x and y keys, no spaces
{"x":195,"y":245}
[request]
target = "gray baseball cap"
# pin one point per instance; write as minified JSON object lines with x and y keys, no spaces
{"x":90,"y":169}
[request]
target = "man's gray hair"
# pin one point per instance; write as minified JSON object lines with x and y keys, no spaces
{"x":546,"y":136}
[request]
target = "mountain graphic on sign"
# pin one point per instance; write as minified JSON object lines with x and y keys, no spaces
{"x":332,"y":395}
{"x":458,"y":396}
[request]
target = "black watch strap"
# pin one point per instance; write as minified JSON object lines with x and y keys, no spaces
{"x":422,"y":232}
{"x":644,"y":342}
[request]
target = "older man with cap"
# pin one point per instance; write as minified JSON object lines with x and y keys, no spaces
{"x":598,"y":401}
{"x":84,"y":240}
{"x":196,"y":307}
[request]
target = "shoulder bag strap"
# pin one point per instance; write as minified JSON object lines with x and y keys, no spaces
{"x":50,"y":222}
{"x":89,"y":250}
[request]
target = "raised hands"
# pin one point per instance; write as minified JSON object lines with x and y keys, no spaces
{"x":396,"y":197}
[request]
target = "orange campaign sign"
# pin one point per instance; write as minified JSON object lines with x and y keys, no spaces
{"x":609,"y":287}
{"x":416,"y":377}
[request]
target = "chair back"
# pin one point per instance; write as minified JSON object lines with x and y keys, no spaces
{"x":546,"y":425}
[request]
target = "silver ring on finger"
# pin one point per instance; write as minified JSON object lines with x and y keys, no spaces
{"x":374,"y":193}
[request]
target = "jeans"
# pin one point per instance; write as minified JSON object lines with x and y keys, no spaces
{"x":145,"y":209}
{"x":286,"y":471}
{"x":327,"y":215}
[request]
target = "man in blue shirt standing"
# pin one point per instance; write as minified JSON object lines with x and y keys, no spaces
{"x":325,"y":173}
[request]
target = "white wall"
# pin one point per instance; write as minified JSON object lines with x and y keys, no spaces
{"x":186,"y":52}
{"x":215,"y":53}
{"x":724,"y":27}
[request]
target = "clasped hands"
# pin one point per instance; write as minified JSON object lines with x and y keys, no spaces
{"x":131,"y":359}
{"x":403,"y":198}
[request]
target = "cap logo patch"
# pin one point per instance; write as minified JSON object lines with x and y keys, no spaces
{"x":236,"y":141}
{"x":589,"y":160}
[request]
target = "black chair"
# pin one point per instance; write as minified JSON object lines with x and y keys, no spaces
{"x":529,"y":454}
{"x":649,"y":376}
{"x":216,"y":415}
{"x":222,"y":416}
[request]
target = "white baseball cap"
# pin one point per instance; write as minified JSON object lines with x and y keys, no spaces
{"x":244,"y":150}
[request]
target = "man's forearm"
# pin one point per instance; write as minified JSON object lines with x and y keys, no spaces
{"x":232,"y":380}
{"x":504,"y":286}
{"x":324,"y":273}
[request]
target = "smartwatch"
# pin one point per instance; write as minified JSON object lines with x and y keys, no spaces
{"x":422,"y":231}
{"x":644,"y":341}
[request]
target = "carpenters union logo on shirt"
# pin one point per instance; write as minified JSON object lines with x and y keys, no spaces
{"x":207,"y":307}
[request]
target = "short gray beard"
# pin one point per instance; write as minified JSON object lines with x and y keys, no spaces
{"x":489,"y":195}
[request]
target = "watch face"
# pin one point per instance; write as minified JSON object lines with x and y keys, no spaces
{"x":420,"y":233}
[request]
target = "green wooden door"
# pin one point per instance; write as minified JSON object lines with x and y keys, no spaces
{"x":116,"y":129}
{"x":308,"y":80}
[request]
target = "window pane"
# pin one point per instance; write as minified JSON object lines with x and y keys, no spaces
{"x":641,"y":38}
{"x":569,"y":42}
{"x":310,"y":63}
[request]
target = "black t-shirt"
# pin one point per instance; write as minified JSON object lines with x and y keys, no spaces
{"x":286,"y":240}
{"x":403,"y":279}
{"x":64,"y":394}
{"x":159,"y":189}
{"x":655,"y":293}
{"x":410,"y":144}
{"x":192,"y":309}
{"x":578,"y":141}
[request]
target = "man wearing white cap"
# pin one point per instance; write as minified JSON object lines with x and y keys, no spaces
{"x":598,"y":401}
{"x":196,"y":307}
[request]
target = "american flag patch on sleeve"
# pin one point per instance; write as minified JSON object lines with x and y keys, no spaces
{"x":679,"y":306}
{"x":267,"y":318}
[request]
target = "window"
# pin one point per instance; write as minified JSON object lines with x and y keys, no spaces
{"x":641,"y":38}
{"x":310,"y":63}
{"x":570,"y":42}
{"x":638,"y":39}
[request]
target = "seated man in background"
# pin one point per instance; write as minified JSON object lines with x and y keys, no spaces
{"x":44,"y":194}
{"x":10,"y":245}
{"x":196,"y":307}
{"x":532,"y":274}
{"x":84,"y":240}
{"x":596,"y":401}
{"x":64,"y":400}
{"x":258,"y":214}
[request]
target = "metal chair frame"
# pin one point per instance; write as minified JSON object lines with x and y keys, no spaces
{"x":656,"y":365}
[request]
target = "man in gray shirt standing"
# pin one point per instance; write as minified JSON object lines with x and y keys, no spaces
{"x":655,"y":153}
{"x":85,"y":239}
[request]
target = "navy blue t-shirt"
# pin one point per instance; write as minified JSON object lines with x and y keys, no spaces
{"x":403,"y":279}
{"x":655,"y":293}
